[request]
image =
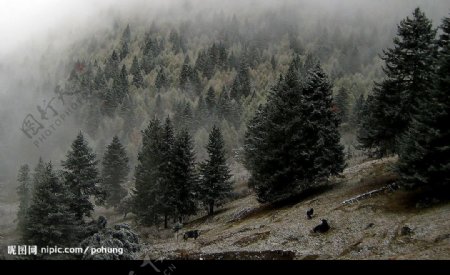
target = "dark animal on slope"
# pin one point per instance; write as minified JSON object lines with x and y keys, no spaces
{"x":191,"y":234}
{"x":322,"y":228}
{"x":309,"y":213}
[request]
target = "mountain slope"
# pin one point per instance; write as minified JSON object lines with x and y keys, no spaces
{"x":387,"y":225}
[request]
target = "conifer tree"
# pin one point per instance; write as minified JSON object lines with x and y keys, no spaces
{"x":292,"y":143}
{"x":112,"y":67}
{"x":211,"y":100}
{"x":424,"y":154}
{"x":357,"y":111}
{"x":81,"y":176}
{"x":215,"y":182}
{"x":24,"y":191}
{"x":146,"y":192}
{"x":165,"y":171}
{"x":241,"y":85}
{"x":224,"y":107}
{"x":114,"y":173}
{"x":135,"y":70}
{"x":161,"y":81}
{"x":341,"y":101}
{"x":184,"y":176}
{"x":186,"y":73}
{"x":409,"y":68}
{"x":50,"y":219}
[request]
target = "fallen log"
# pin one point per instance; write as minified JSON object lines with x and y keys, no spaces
{"x":389,"y":187}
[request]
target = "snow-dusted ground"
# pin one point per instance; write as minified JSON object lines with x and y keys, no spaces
{"x":373,"y":228}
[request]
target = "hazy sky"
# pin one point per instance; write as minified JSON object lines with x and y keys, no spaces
{"x":22,"y":20}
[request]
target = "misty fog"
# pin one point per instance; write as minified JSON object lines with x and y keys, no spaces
{"x":40,"y":43}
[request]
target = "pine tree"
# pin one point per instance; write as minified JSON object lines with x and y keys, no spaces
{"x":125,"y":42}
{"x":158,"y":106}
{"x":201,"y":113}
{"x":124,"y":50}
{"x":81,"y":175}
{"x":241,"y":85}
{"x":165,"y":171}
{"x":161,"y":80}
{"x":211,"y":100}
{"x":224,"y":107}
{"x":146,"y":192}
{"x":409,"y":68}
{"x":357,"y":111}
{"x":424,"y":154}
{"x":215,"y":182}
{"x":24,"y":192}
{"x":135,"y":70}
{"x":292,"y":143}
{"x":112,"y":67}
{"x":50,"y":219}
{"x":120,"y":85}
{"x":186,"y":73}
{"x":114,"y":173}
{"x":184,"y":176}
{"x":341,"y":102}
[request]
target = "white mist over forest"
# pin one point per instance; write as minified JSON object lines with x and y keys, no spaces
{"x":41,"y":40}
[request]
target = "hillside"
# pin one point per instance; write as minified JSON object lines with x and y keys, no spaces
{"x":373,"y":228}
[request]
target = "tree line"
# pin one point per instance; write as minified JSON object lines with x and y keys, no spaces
{"x":55,"y":206}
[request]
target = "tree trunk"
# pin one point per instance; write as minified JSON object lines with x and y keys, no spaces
{"x":211,"y":208}
{"x":165,"y":221}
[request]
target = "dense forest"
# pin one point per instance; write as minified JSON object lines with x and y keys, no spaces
{"x":169,"y":119}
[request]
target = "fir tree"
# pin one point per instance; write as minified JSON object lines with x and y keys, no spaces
{"x":211,"y":100}
{"x":24,"y":192}
{"x":292,"y":143}
{"x":409,"y":68}
{"x":161,"y":81}
{"x":114,"y":173}
{"x":50,"y":220}
{"x":184,"y":176}
{"x":120,"y":85}
{"x":424,"y":154}
{"x":112,"y":67}
{"x":357,"y":111}
{"x":201,"y":113}
{"x":81,"y":175}
{"x":186,"y":73}
{"x":215,"y":183}
{"x":341,"y":102}
{"x":241,"y":85}
{"x":224,"y":107}
{"x":165,"y":171}
{"x":146,"y":192}
{"x":135,"y":71}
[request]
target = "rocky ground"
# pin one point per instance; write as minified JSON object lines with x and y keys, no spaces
{"x":389,"y":224}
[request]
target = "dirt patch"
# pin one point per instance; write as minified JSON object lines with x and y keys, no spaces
{"x":246,"y":241}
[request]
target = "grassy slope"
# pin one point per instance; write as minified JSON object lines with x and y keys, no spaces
{"x":245,"y":229}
